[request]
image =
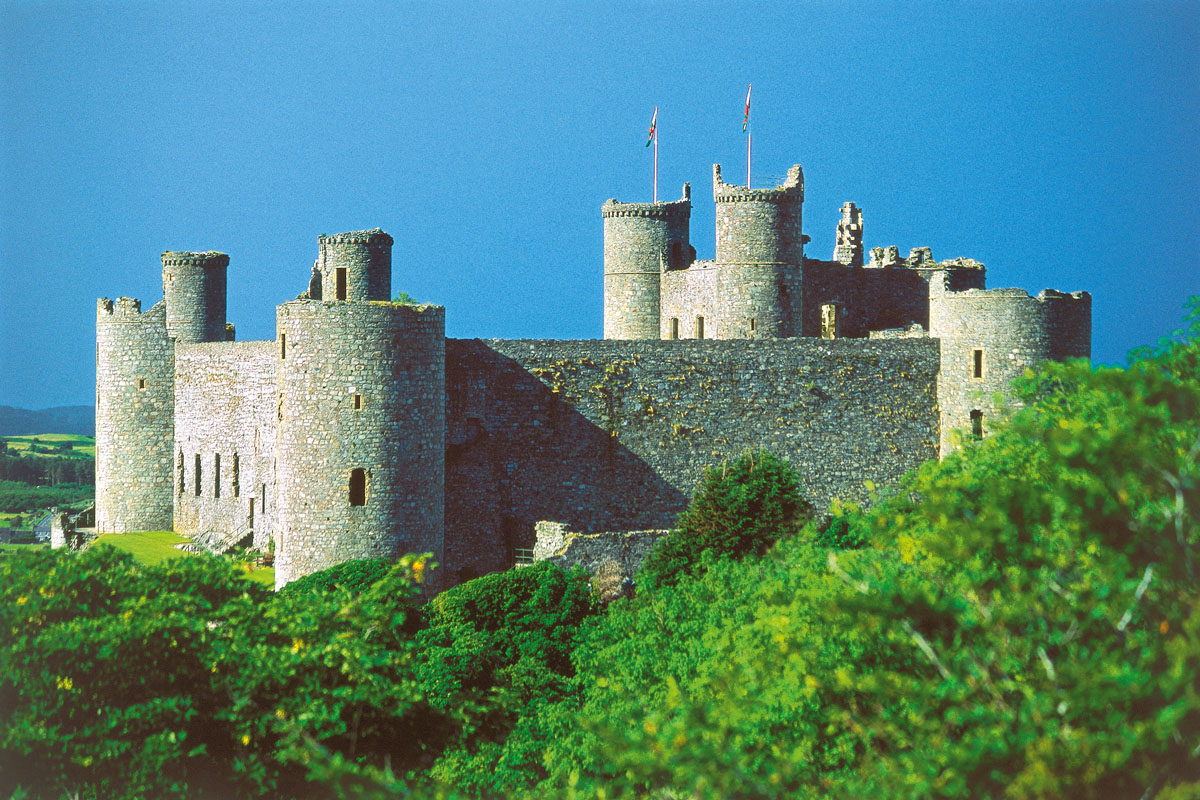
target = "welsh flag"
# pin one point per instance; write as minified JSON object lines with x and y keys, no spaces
{"x":746,"y":119}
{"x":653,"y":127}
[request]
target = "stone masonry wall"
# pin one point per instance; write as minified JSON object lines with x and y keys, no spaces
{"x":615,"y":555}
{"x":135,"y":396}
{"x":760,"y":225}
{"x":607,"y":435}
{"x":361,"y":398}
{"x":194,"y":293}
{"x":225,"y":406}
{"x":641,"y":241}
{"x":736,"y":301}
{"x":367,"y":258}
{"x":1012,"y":331}
{"x":875,"y":299}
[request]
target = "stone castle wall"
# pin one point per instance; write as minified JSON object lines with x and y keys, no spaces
{"x":361,"y":388}
{"x":735,"y":301}
{"x":366,"y":257}
{"x":760,"y":225}
{"x":1011,"y":332}
{"x":641,"y":241}
{"x":607,"y":435}
{"x":875,"y":299}
{"x":135,"y":396}
{"x":225,"y":415}
{"x":194,"y":293}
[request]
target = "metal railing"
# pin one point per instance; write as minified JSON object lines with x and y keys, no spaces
{"x":522,"y":557}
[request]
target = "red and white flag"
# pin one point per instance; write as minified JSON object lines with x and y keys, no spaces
{"x":653,"y":127}
{"x":746,"y":119}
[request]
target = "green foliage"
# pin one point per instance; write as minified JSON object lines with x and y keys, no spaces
{"x":498,"y":650}
{"x":1026,"y":624}
{"x":123,"y":680}
{"x":738,"y":509}
{"x":353,"y":576}
{"x":17,"y":496}
{"x":103,"y":678}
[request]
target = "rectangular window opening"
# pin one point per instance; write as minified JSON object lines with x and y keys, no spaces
{"x":264,"y":498}
{"x":197,"y":471}
{"x":977,"y":372}
{"x":357,"y":402}
{"x":236,"y":483}
{"x":699,"y":327}
{"x":753,"y":324}
{"x":358,"y":487}
{"x":141,"y":384}
{"x":977,"y":424}
{"x":674,"y":334}
{"x":283,"y":345}
{"x":340,"y":278}
{"x":217,"y":475}
{"x":251,"y":520}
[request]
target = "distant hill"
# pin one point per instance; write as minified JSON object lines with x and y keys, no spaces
{"x":80,"y":420}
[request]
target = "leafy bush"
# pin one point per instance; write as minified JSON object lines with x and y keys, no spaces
{"x":353,"y":576}
{"x":738,"y":509}
{"x":499,"y":647}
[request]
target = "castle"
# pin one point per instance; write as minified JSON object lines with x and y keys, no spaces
{"x":361,"y":430}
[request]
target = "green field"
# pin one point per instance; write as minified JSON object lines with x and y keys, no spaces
{"x":81,"y":446}
{"x":154,"y":547}
{"x":23,"y":547}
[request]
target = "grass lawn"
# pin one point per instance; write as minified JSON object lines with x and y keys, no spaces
{"x":148,"y":547}
{"x":154,"y":547}
{"x":24,"y":547}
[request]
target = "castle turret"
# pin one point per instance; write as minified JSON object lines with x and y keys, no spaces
{"x":760,"y":256}
{"x":990,"y":336}
{"x":356,"y":266}
{"x":360,"y":440}
{"x":194,"y":291}
{"x":848,"y":249}
{"x":135,"y":423}
{"x":641,"y":241}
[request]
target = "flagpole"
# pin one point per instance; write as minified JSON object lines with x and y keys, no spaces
{"x":746,"y":129}
{"x":747,"y":155}
{"x":656,"y":164}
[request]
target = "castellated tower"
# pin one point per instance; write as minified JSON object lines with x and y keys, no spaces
{"x":360,"y":441}
{"x":990,"y":336}
{"x":760,"y":252}
{"x":135,"y":424}
{"x":356,"y":266}
{"x":641,"y":241}
{"x":848,"y":248}
{"x":194,"y":291}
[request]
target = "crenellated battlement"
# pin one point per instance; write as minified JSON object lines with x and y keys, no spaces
{"x":667,"y":210}
{"x":375,"y":237}
{"x":121,"y":307}
{"x":185,"y":258}
{"x":791,"y":190}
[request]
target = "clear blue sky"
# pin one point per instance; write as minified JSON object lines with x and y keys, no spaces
{"x":1059,"y":143}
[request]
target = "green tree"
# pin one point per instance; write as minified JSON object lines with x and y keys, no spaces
{"x":497,"y":652}
{"x":738,"y":509}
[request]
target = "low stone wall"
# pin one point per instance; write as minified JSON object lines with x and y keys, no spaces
{"x":610,"y":557}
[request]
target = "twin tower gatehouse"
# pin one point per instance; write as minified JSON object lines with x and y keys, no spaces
{"x":361,"y":430}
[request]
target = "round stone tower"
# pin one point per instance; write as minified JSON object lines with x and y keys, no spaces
{"x":135,"y":417}
{"x":194,"y":291}
{"x":990,"y":336}
{"x":760,"y":254}
{"x":641,"y":241}
{"x":361,"y":433}
{"x":355,"y":266}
